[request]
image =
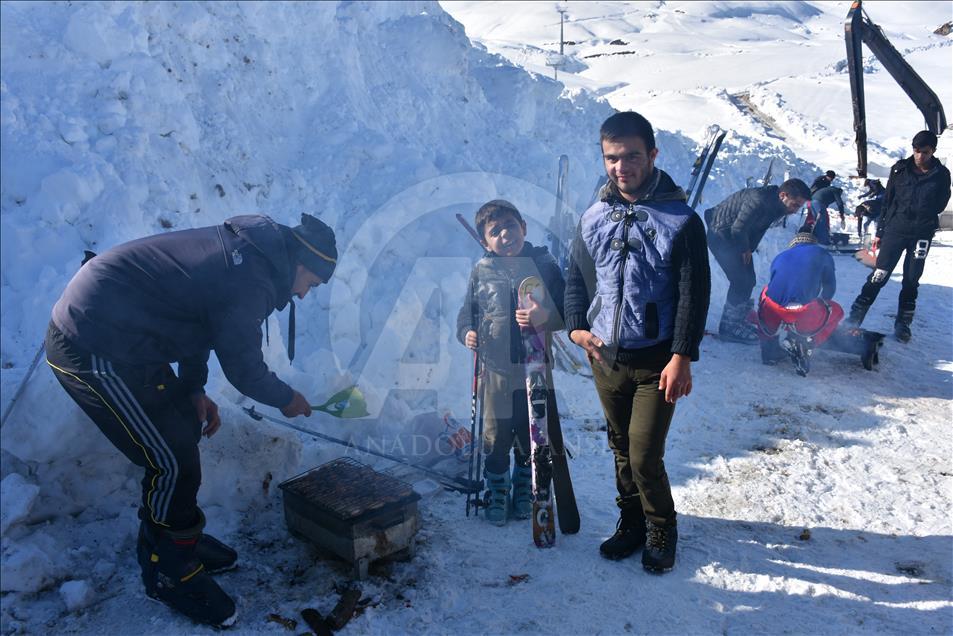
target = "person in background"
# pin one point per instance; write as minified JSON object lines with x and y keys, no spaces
{"x":870,"y":206}
{"x":823,"y":181}
{"x":735,"y":228}
{"x":132,"y":311}
{"x":637,"y":300}
{"x":797,"y":304}
{"x":819,"y":221}
{"x":917,"y":192}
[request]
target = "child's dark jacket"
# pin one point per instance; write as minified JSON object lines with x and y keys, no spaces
{"x":490,"y":304}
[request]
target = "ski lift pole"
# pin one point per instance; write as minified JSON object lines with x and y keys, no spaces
{"x":458,"y":484}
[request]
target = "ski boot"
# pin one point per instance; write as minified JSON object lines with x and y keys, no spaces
{"x":733,"y":326}
{"x":522,"y":492}
{"x":173,"y":574}
{"x":212,"y":553}
{"x":215,"y":555}
{"x":498,"y":489}
{"x":659,"y":553}
{"x":629,"y":535}
{"x":799,"y":348}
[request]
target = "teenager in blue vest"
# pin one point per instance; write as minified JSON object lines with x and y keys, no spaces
{"x":637,"y":300}
{"x":131,"y":312}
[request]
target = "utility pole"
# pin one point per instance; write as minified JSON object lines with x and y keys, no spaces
{"x":561,"y":60}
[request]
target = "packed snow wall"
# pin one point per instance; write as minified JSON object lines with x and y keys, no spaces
{"x":121,"y":120}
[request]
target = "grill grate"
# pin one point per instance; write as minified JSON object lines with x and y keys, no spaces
{"x":347,"y":489}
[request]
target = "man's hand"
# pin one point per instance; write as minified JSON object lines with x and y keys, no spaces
{"x":207,"y":412}
{"x":591,"y":343}
{"x":676,"y":379}
{"x":297,"y":406}
{"x":875,"y":243}
{"x":746,"y":257}
{"x":533,"y":317}
{"x":471,"y":340}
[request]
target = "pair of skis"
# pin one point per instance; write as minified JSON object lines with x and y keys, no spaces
{"x":702,"y":166}
{"x":551,"y":482}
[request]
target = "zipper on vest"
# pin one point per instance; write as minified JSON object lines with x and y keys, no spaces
{"x":624,"y":253}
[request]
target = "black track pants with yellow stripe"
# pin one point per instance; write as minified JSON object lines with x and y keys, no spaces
{"x":145,"y":414}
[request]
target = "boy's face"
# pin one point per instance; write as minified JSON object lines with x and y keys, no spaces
{"x":505,"y":236}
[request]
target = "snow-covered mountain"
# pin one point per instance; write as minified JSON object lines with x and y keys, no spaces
{"x":385,"y":120}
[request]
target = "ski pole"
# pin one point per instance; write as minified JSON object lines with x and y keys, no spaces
{"x":469,"y":228}
{"x":481,"y":388}
{"x":23,"y":383}
{"x":473,"y":419}
{"x":455,"y":483}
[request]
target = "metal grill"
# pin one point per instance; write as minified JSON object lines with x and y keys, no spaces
{"x":347,"y":489}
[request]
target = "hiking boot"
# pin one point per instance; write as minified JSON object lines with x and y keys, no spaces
{"x":659,"y":553}
{"x":498,"y":490}
{"x":522,"y":492}
{"x":215,"y":555}
{"x":629,"y":535}
{"x":173,"y":574}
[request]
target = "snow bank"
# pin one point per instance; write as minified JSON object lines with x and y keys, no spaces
{"x":122,"y":120}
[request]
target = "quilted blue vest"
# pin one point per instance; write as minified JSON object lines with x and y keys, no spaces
{"x":633,"y":306}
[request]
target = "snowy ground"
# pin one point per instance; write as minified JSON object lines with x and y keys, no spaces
{"x":807,"y":505}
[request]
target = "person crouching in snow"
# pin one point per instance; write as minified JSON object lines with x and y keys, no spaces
{"x":490,"y":322}
{"x":798,"y":301}
{"x":135,"y":309}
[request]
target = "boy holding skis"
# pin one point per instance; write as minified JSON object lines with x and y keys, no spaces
{"x":490,"y":322}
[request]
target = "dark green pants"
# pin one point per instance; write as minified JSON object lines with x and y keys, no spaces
{"x":638,"y":418}
{"x":505,"y":419}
